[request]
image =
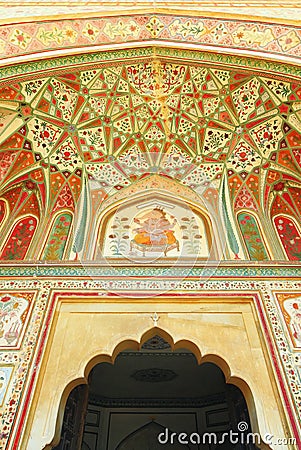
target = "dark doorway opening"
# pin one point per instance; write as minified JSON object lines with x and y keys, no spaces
{"x":155,"y":399}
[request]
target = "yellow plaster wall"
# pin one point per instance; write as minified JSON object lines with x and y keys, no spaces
{"x":224,"y":331}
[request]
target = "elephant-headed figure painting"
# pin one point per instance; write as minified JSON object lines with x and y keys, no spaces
{"x":155,"y":229}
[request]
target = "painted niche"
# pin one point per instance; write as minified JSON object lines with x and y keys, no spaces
{"x":290,"y":237}
{"x":14,"y":311}
{"x":291,"y":308}
{"x":157,"y":229}
{"x":58,"y":238}
{"x":252,"y":237}
{"x":20,"y":238}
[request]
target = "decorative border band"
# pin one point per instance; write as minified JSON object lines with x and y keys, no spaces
{"x":36,"y":36}
{"x":14,"y":73}
{"x":93,"y":271}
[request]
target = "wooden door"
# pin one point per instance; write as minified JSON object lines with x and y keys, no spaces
{"x":74,"y":419}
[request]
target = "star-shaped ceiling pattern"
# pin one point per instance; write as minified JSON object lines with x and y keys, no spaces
{"x":118,"y":123}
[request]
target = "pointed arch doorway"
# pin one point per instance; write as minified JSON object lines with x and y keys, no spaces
{"x":148,"y":398}
{"x":222,"y":330}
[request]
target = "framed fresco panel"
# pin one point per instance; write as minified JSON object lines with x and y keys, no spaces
{"x":290,"y":305}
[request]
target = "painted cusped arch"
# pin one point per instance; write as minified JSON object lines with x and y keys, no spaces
{"x":58,"y":237}
{"x":18,"y":242}
{"x":155,"y":224}
{"x":187,"y":224}
{"x":289,"y":234}
{"x":134,"y":345}
{"x":207,"y":138}
{"x":252,"y":235}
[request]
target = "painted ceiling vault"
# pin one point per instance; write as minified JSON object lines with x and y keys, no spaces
{"x":114,"y":120}
{"x":210,"y":128}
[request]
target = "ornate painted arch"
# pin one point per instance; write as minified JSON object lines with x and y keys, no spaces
{"x":289,"y":234}
{"x":59,"y":232}
{"x":19,"y":239}
{"x":135,"y":346}
{"x":228,"y":133}
{"x":158,"y":195}
{"x":253,"y":236}
{"x":46,"y":36}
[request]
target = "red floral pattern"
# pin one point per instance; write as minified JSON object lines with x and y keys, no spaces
{"x":290,"y":237}
{"x":19,"y":240}
{"x":2,"y":211}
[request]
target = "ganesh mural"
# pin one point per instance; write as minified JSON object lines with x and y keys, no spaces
{"x":158,"y":229}
{"x":155,"y":232}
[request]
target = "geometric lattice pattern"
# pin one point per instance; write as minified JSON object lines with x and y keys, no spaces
{"x":115,"y":124}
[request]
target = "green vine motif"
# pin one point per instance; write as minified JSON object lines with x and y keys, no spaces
{"x":29,"y":89}
{"x":145,"y":52}
{"x":119,"y":244}
{"x":283,"y":90}
{"x":94,"y":138}
{"x":189,"y":29}
{"x":55,"y":35}
{"x":252,"y":237}
{"x":191,"y":235}
{"x":32,"y":87}
{"x":58,"y":237}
